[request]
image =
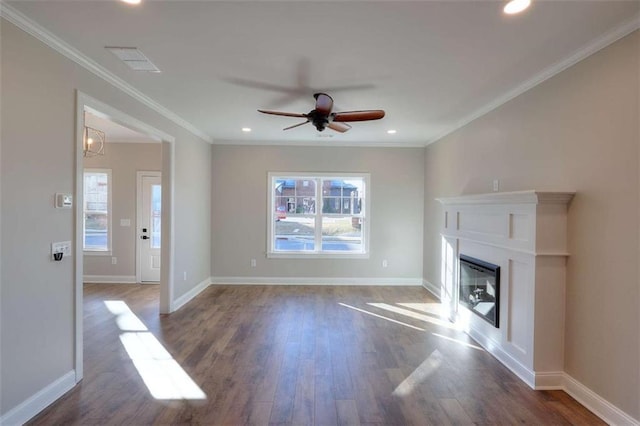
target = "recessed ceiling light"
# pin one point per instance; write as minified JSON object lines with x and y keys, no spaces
{"x":391,"y":132}
{"x":131,"y":1}
{"x":516,"y":6}
{"x":246,"y":129}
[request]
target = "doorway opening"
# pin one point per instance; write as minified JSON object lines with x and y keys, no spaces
{"x":98,"y":222}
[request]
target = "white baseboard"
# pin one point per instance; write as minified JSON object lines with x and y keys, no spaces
{"x":507,"y":360}
{"x":316,"y":281}
{"x":433,"y":289}
{"x":549,"y":380}
{"x":558,"y":380}
{"x":109,"y":279}
{"x":185,"y":298}
{"x":598,"y":405}
{"x":38,"y":402}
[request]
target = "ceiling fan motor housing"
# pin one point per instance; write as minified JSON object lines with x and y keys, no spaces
{"x":318,"y":119}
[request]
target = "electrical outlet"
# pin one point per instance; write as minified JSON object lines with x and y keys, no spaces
{"x":496,"y":185}
{"x":63,"y":247}
{"x":385,"y":263}
{"x":114,"y":260}
{"x":184,"y":275}
{"x":253,"y":263}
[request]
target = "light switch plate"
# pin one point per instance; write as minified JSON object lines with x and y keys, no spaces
{"x":64,"y":201}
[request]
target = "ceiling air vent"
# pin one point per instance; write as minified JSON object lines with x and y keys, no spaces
{"x":134,"y":58}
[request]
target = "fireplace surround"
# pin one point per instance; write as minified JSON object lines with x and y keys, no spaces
{"x":523,"y":234}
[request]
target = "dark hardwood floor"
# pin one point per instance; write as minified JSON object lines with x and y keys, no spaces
{"x":293,"y":355}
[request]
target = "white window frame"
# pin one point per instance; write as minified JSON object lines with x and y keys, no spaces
{"x":365,"y":215}
{"x":108,"y":250}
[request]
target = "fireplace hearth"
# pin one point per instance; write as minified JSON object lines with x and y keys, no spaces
{"x":480,"y":288}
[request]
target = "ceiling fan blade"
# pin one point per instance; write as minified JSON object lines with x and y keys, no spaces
{"x":366,"y":115}
{"x":338,"y":127}
{"x":324,"y":103}
{"x":285,"y":114}
{"x":296,"y":125}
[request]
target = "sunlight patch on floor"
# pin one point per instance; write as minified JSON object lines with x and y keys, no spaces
{"x":414,"y":315}
{"x":435,"y":309}
{"x":460,"y":342}
{"x":419,"y":375}
{"x":162,"y":374}
{"x":381,"y":316}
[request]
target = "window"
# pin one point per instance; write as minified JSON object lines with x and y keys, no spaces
{"x":318,"y":215}
{"x":97,"y":210}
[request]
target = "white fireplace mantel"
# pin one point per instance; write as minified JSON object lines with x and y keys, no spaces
{"x":525,"y":233}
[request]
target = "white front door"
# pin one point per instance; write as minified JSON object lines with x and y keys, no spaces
{"x":149,"y":221}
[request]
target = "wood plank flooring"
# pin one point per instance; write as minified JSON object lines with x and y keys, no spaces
{"x":298,"y":355}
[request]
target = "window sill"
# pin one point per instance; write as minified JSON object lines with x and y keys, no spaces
{"x":97,"y":253}
{"x":313,"y":255}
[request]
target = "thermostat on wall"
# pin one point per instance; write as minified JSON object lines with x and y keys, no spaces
{"x":64,"y":201}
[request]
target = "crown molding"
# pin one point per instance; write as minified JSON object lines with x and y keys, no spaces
{"x":320,"y":143}
{"x":624,"y":29}
{"x":31,"y":27}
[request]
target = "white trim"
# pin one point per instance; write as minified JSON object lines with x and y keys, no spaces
{"x":549,"y":380}
{"x":320,"y":142}
{"x":36,"y":30}
{"x":316,"y":255}
{"x":317,"y":281}
{"x":514,"y":197}
{"x":39,"y":401}
{"x":598,"y":405}
{"x":98,"y":253}
{"x":109,"y":279}
{"x":431,"y":288}
{"x":188,"y":296}
{"x":558,"y":380}
{"x":507,"y":360}
{"x":168,"y":249}
{"x":84,"y":103}
{"x":505,"y":246}
{"x":594,"y":46}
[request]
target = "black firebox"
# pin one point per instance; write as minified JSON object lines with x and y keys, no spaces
{"x":480,"y":288}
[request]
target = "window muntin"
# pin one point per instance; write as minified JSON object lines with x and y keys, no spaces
{"x":320,"y":215}
{"x":97,"y":210}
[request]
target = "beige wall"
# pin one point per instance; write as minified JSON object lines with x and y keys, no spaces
{"x":38,"y":159}
{"x":240,"y":210}
{"x":124,"y":160}
{"x":577,"y":131}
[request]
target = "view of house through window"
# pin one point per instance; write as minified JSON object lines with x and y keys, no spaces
{"x":97,"y":209}
{"x":318,"y":214}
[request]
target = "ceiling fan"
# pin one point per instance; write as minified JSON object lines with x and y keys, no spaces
{"x":322,"y":117}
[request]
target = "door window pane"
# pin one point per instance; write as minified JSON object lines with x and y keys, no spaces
{"x":156,"y":214}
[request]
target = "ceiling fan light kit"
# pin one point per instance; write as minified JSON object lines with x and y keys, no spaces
{"x":322,"y":116}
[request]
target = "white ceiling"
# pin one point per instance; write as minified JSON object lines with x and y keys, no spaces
{"x":431,"y":65}
{"x":114,"y":132}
